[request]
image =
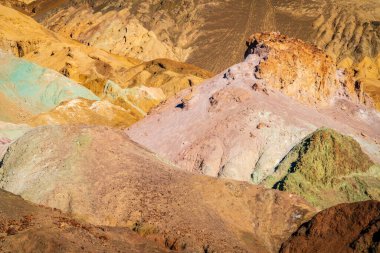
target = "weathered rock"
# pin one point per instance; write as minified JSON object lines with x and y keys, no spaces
{"x":347,"y":30}
{"x":343,"y":228}
{"x":298,"y":69}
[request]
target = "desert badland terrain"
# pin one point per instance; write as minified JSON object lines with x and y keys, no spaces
{"x":189,"y":126}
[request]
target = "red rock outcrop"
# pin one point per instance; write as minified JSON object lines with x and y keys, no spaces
{"x":344,"y":228}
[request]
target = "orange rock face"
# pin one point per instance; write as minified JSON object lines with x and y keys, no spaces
{"x":299,"y":69}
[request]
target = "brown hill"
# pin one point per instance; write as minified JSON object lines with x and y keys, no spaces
{"x":344,"y":228}
{"x":25,"y":227}
{"x":100,"y":176}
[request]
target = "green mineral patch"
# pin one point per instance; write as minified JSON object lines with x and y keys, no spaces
{"x":34,"y":88}
{"x":327,"y":168}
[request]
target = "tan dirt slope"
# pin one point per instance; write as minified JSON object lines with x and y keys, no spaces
{"x":25,"y":227}
{"x":99,"y":175}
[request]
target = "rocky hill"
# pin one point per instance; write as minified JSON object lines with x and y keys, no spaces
{"x":38,"y":96}
{"x":344,"y":28}
{"x":241,"y":123}
{"x":100,"y":176}
{"x":327,"y":168}
{"x":344,"y":228}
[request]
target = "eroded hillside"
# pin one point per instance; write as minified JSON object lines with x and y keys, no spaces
{"x":99,"y":175}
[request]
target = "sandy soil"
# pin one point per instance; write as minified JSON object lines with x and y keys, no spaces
{"x":25,"y":227}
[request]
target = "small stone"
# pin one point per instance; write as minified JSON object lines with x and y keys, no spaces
{"x":261,"y":125}
{"x":11,"y":231}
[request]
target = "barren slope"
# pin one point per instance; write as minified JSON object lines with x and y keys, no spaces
{"x":27,"y":89}
{"x":134,"y":85}
{"x":25,"y":227}
{"x":39,"y":96}
{"x":343,"y":228}
{"x":241,"y":123}
{"x":10,"y":132}
{"x":344,"y":28}
{"x":99,"y":175}
{"x":210,"y":34}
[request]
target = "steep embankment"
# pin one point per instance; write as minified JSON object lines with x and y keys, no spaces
{"x":241,"y":123}
{"x":134,"y":85}
{"x":327,"y":168}
{"x":25,"y":227}
{"x":101,"y":176}
{"x":343,"y":228}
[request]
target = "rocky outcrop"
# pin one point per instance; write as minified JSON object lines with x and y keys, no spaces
{"x":327,"y":168}
{"x":299,"y":69}
{"x":343,"y":228}
{"x":99,"y":175}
